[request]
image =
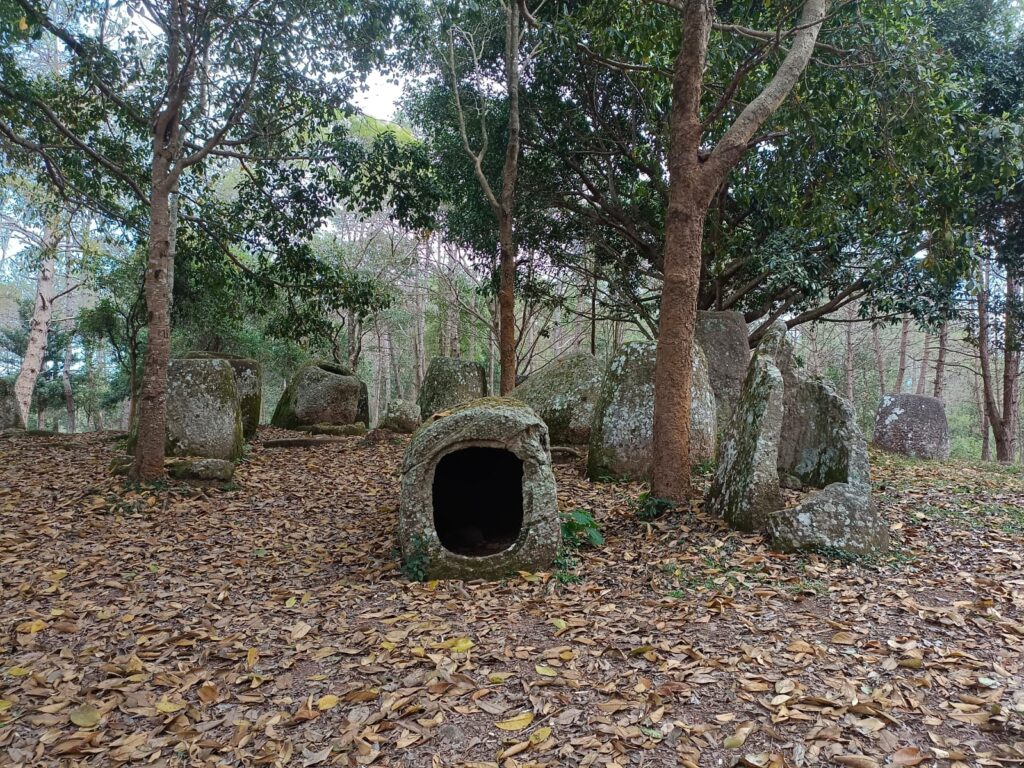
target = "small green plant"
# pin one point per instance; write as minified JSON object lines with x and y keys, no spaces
{"x":706,"y":468}
{"x":650,"y":507}
{"x":579,"y":527}
{"x":414,"y":567}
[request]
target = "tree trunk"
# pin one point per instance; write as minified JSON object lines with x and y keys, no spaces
{"x":876,"y":342}
{"x":40,"y":414}
{"x":849,"y":355}
{"x":1011,"y":376}
{"x":69,"y":396}
{"x":152,"y":400}
{"x":901,"y":372}
{"x":922,"y":376}
{"x":940,"y":362}
{"x":39,"y":327}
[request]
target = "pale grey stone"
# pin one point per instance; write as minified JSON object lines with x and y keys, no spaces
{"x":723,"y":337}
{"x":449,"y":382}
{"x":203,"y":416}
{"x":564,"y":394}
{"x":745,"y":490}
{"x":622,"y":432}
{"x":248,"y":379}
{"x":401,"y":416}
{"x":483,"y":539}
{"x":912,"y":425}
{"x":202,"y":469}
{"x":322,"y":393}
{"x":10,"y":414}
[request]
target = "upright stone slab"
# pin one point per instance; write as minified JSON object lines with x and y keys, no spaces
{"x":620,"y":440}
{"x":564,"y":394}
{"x":821,"y":445}
{"x":10,"y":414}
{"x":248,"y":380}
{"x":723,"y":337}
{"x":912,"y":425}
{"x":322,"y":393}
{"x":401,"y":416}
{"x":450,"y":382}
{"x":745,"y":490}
{"x":203,"y":416}
{"x":478,"y":494}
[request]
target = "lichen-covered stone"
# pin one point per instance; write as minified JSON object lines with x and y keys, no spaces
{"x":10,"y":414}
{"x":912,"y":425}
{"x":745,"y":490}
{"x":402,"y":416}
{"x":322,"y":393}
{"x":337,"y":430}
{"x":449,"y":382}
{"x":203,"y":417}
{"x":622,"y":431}
{"x":821,"y":445}
{"x":207,"y":470}
{"x":564,"y":395}
{"x":723,"y":337}
{"x":495,"y":423}
{"x":248,"y":380}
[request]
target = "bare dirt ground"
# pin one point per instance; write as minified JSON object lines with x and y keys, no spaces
{"x":269,"y":624}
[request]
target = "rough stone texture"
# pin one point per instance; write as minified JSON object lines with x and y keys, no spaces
{"x":401,"y":416}
{"x":913,"y":425}
{"x":10,"y":415}
{"x":745,"y":490}
{"x":203,"y":417}
{"x":322,"y":393}
{"x":620,"y":440}
{"x":337,"y":430}
{"x":450,"y":382}
{"x":494,"y":423}
{"x":724,"y":339}
{"x":248,"y":379}
{"x":821,"y":445}
{"x":564,"y":395}
{"x":217,"y":470}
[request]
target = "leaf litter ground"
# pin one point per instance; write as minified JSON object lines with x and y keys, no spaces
{"x":269,"y":624}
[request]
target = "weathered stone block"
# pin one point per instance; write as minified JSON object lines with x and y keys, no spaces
{"x":203,"y":416}
{"x":402,"y":416}
{"x":620,"y":440}
{"x":912,"y":425}
{"x":450,"y":382}
{"x":206,"y":470}
{"x":10,"y":414}
{"x":564,"y":394}
{"x":322,"y":393}
{"x":478,"y":494}
{"x":723,"y":337}
{"x":248,"y":380}
{"x":745,"y":490}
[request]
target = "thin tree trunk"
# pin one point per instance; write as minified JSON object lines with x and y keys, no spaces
{"x":1011,"y":374}
{"x":940,"y":362}
{"x":986,"y":449}
{"x":69,"y":396}
{"x":40,"y":413}
{"x":901,"y":372}
{"x":922,"y":376}
{"x":849,"y":355}
{"x":876,"y":342}
{"x":39,"y":327}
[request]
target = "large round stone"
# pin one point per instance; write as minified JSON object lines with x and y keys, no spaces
{"x":450,"y":382}
{"x":322,"y":393}
{"x":913,"y":425}
{"x":248,"y":379}
{"x":564,"y":395}
{"x":203,"y":417}
{"x":623,"y":427}
{"x":478,"y":494}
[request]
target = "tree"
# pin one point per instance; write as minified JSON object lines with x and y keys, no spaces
{"x":197,"y":84}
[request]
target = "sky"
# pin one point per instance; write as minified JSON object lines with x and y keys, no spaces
{"x":380,"y":97}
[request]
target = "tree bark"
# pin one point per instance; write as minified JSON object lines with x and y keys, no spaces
{"x":922,"y":375}
{"x":39,"y":326}
{"x":1011,"y":375}
{"x":940,"y":362}
{"x":876,"y":342}
{"x":694,"y":176}
{"x":901,"y":372}
{"x":69,"y":395}
{"x":849,"y":355}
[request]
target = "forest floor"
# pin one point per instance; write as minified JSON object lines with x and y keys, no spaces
{"x":269,"y":624}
